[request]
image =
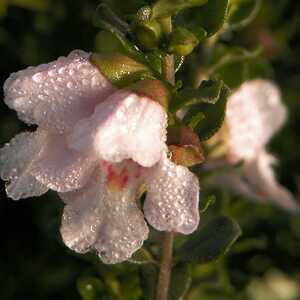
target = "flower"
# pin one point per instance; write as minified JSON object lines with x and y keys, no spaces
{"x":254,"y":114}
{"x":96,"y":146}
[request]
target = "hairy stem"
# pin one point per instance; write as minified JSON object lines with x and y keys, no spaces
{"x":168,"y":68}
{"x":165,"y":271}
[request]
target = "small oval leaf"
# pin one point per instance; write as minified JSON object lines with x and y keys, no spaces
{"x":211,"y":241}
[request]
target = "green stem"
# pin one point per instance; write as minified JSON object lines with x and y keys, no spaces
{"x":164,"y":277}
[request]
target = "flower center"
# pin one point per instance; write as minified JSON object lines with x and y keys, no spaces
{"x":120,"y":175}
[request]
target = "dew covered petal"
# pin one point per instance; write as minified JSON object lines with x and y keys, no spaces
{"x":254,"y":114}
{"x":125,"y":126}
{"x":172,"y":198}
{"x":104,"y":218}
{"x":83,"y":215}
{"x":57,"y":94}
{"x":261,"y":177}
{"x":16,"y":159}
{"x":60,"y":168}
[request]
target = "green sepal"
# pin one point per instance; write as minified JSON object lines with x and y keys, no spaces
{"x":242,"y":12}
{"x":182,"y":41}
{"x":208,"y":92}
{"x":214,"y":115}
{"x":211,"y":241}
{"x":90,"y":288}
{"x":181,"y":280}
{"x":166,"y":8}
{"x":120,"y":69}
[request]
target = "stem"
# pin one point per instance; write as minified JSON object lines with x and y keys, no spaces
{"x":168,"y":71}
{"x":168,"y":68}
{"x":165,"y":266}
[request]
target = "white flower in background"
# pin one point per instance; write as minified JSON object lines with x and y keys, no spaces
{"x":254,"y":114}
{"x":96,"y":146}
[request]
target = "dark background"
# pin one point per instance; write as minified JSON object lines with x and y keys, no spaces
{"x":34,"y":263}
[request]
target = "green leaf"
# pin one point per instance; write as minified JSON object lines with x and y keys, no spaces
{"x":214,"y":116}
{"x":211,"y":241}
{"x":211,"y":17}
{"x":89,"y":288}
{"x":154,"y":59}
{"x":208,"y":92}
{"x":141,"y":257}
{"x":149,"y":275}
{"x":232,"y":64}
{"x":165,"y":8}
{"x":250,"y":244}
{"x":260,"y":67}
{"x":209,"y":201}
{"x":242,"y":12}
{"x":180,"y":281}
{"x":179,"y":60}
{"x":104,"y":15}
{"x":123,"y":8}
{"x":195,"y":119}
{"x":106,"y":20}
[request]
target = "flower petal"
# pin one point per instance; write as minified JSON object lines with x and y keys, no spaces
{"x":256,"y":181}
{"x":254,"y":113}
{"x":105,"y":219}
{"x":16,"y":159}
{"x":125,"y":126}
{"x":83,"y":215}
{"x":60,"y":168}
{"x":57,"y":94}
{"x":261,"y":178}
{"x":172,"y":198}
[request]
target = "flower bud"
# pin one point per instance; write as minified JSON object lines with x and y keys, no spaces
{"x":120,"y":69}
{"x":148,"y":34}
{"x":182,"y":42}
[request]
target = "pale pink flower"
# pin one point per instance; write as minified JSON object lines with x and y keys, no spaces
{"x":254,"y":114}
{"x":96,"y":146}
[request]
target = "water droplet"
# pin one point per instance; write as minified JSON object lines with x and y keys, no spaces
{"x":70,"y":85}
{"x":85,"y":82}
{"x":51,"y":73}
{"x":61,"y":70}
{"x":37,"y":77}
